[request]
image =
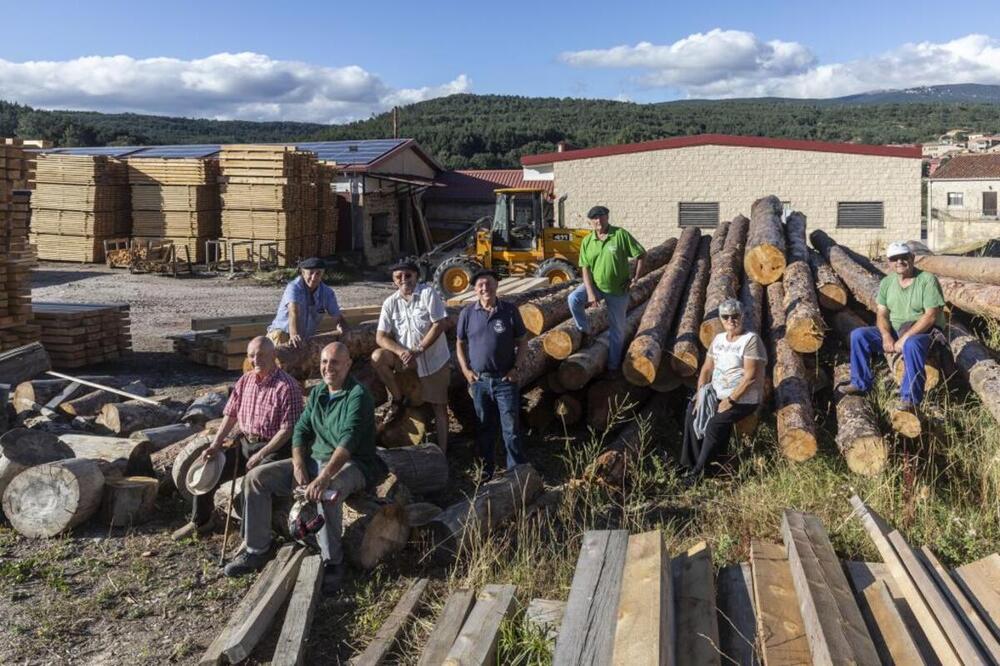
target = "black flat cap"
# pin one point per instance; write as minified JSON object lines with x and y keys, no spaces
{"x":405,"y":264}
{"x":483,"y":273}
{"x":312,"y":263}
{"x":597,"y":211}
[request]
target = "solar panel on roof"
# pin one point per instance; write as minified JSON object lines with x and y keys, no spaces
{"x":351,"y":152}
{"x":107,"y":151}
{"x":180,"y":151}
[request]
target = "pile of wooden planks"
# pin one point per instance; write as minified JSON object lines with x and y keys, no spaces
{"x":78,"y":202}
{"x":176,"y":199}
{"x":16,"y":256}
{"x":269,"y":196}
{"x":80,"y":334}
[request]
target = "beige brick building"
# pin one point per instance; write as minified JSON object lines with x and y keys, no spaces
{"x":863,"y":196}
{"x":962,"y":197}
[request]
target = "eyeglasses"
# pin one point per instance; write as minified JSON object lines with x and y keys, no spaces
{"x":730,"y":316}
{"x":900,"y":259}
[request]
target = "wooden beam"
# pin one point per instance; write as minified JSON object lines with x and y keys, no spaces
{"x":780,"y":629}
{"x":378,"y":650}
{"x":476,"y":644}
{"x":586,"y":635}
{"x":694,"y":600}
{"x":447,"y":627}
{"x":109,"y":389}
{"x":737,"y":618}
{"x":70,"y":389}
{"x":547,"y":615}
{"x":899,"y":647}
{"x":23,"y":363}
{"x":981,"y":581}
{"x":961,"y":603}
{"x":644,"y":633}
{"x":294,"y":639}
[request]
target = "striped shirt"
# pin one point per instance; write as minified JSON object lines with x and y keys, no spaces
{"x":265,"y":406}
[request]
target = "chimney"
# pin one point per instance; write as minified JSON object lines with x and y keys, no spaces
{"x":562,"y":147}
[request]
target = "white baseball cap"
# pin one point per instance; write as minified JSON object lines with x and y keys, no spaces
{"x":896,"y":249}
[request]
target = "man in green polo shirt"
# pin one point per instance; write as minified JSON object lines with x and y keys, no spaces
{"x":333,"y":448}
{"x":604,"y":262}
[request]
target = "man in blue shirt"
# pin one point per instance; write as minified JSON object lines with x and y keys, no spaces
{"x":489,"y":331}
{"x":305,"y":301}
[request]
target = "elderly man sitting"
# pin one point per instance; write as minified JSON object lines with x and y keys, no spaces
{"x":266,"y":403}
{"x":333,"y":448}
{"x":305,"y":300}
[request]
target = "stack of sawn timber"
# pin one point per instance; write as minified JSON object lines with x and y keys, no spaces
{"x":176,"y":200}
{"x":79,"y":201}
{"x":269,"y":195}
{"x":16,"y":256}
{"x":80,"y":334}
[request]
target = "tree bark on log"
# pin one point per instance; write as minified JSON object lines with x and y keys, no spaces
{"x":407,"y":429}
{"x":718,"y":242}
{"x":124,"y":418}
{"x":983,"y":270}
{"x":191,"y":448}
{"x":54,"y":497}
{"x":612,"y":464}
{"x":796,"y":424}
{"x":22,"y":448}
{"x":40,"y":391}
{"x":163,"y":459}
{"x":764,"y":261}
{"x":796,"y":248}
{"x":858,"y":436}
{"x":543,"y":313}
{"x":117,"y":456}
{"x":163,"y":436}
{"x":724,"y":281}
{"x":592,"y":359}
{"x":644,"y":355}
{"x":830,"y":291}
{"x":804,"y":324}
{"x":423,"y":469}
{"x":972,"y":297}
{"x":752,"y":297}
{"x":472,"y":520}
{"x":685,"y":354}
{"x":977,"y":365}
{"x":205,"y":408}
{"x":89,"y":404}
{"x":23,"y":363}
{"x":128,"y":501}
{"x":613,"y":401}
{"x":862,"y":283}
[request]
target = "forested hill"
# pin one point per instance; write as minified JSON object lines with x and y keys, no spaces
{"x":487,"y":131}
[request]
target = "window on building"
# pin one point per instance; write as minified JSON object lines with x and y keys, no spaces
{"x":860,"y":215}
{"x":698,"y":214}
{"x":380,"y":229}
{"x":956,"y":199}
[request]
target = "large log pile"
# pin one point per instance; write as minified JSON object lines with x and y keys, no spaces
{"x":724,"y":281}
{"x":830,"y":291}
{"x":592,"y":359}
{"x":685,"y":353}
{"x":983,"y":270}
{"x":792,"y":395}
{"x":764,"y":261}
{"x":803,"y":321}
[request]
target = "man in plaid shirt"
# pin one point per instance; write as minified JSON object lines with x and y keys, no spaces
{"x":265,"y":403}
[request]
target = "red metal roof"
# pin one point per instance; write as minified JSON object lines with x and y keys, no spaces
{"x":725,"y":140}
{"x":479,"y":184}
{"x":966,"y":167}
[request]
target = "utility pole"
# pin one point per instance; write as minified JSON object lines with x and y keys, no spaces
{"x":395,"y":122}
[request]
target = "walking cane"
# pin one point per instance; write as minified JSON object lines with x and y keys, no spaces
{"x":232,"y":494}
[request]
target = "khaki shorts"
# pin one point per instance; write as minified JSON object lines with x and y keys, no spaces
{"x":433,"y":387}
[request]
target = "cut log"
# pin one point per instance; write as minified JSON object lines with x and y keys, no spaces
{"x":644,"y":355}
{"x":972,"y":297}
{"x":21,"y":448}
{"x":205,"y":408}
{"x":568,"y":408}
{"x":52,"y":498}
{"x":89,"y":404}
{"x":719,"y":238}
{"x":376,"y":523}
{"x":537,"y":408}
{"x":40,"y":391}
{"x":116,"y":456}
{"x":423,"y":469}
{"x":724,"y":281}
{"x":473,"y":519}
{"x":764,"y":261}
{"x":613,"y":401}
{"x":796,"y":424}
{"x":163,"y":436}
{"x":796,"y":248}
{"x":977,"y":366}
{"x":23,"y":363}
{"x":803,"y":321}
{"x":984,"y":270}
{"x":124,"y":418}
{"x":184,"y":459}
{"x":128,"y":501}
{"x":644,"y":632}
{"x":541,"y":314}
{"x":592,"y":359}
{"x":830,"y":291}
{"x":407,"y":429}
{"x":862,"y":283}
{"x":685,"y":354}
{"x":753,"y":297}
{"x":858,"y":436}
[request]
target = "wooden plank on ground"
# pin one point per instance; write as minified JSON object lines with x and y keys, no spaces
{"x":70,"y":389}
{"x":476,"y":644}
{"x":981,"y":581}
{"x":586,"y":635}
{"x":834,"y":626}
{"x":694,"y":607}
{"x":644,"y":633}
{"x":386,"y":636}
{"x":294,"y":639}
{"x":547,"y":615}
{"x":898,"y":646}
{"x":966,"y":610}
{"x":737,"y":619}
{"x":780,"y":630}
{"x":447,"y":627}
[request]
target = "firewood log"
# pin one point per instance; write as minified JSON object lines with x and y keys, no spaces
{"x":764,"y":261}
{"x":23,"y":363}
{"x":40,"y":391}
{"x":982,"y":270}
{"x":22,"y":448}
{"x":206,"y":407}
{"x":685,"y":354}
{"x":858,"y":436}
{"x":972,"y":297}
{"x":90,"y":403}
{"x":977,"y":365}
{"x":830,"y":291}
{"x":541,"y":314}
{"x":862,"y":283}
{"x":592,"y":358}
{"x":423,"y":468}
{"x":792,"y":395}
{"x":724,"y":281}
{"x":124,"y":418}
{"x":52,"y":498}
{"x":116,"y":456}
{"x":718,"y":241}
{"x":183,"y":459}
{"x":804,"y":324}
{"x":161,"y":437}
{"x":644,"y":355}
{"x":796,"y":248}
{"x":128,"y":501}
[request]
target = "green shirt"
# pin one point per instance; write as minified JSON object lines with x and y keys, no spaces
{"x":909,"y":304}
{"x":608,"y":259}
{"x":347,"y":419}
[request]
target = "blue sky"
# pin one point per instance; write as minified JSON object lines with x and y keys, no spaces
{"x":329,"y":62}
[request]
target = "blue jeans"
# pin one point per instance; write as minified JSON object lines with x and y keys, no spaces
{"x":868,"y":340}
{"x":617,"y":313}
{"x":498,"y":400}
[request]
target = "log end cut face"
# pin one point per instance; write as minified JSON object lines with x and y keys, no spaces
{"x":52,"y":498}
{"x":798,"y":445}
{"x":905,"y":423}
{"x":708,"y":330}
{"x":764,"y":264}
{"x":831,"y":297}
{"x":684,"y":363}
{"x":867,"y":456}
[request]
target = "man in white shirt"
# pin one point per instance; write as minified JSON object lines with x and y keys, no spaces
{"x":410,"y":337}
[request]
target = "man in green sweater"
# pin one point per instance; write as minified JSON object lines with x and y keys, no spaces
{"x":333,"y":449}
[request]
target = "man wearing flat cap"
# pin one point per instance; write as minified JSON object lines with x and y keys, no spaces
{"x":604,"y":262}
{"x":910,"y":312}
{"x":305,"y":301}
{"x":410,"y":336}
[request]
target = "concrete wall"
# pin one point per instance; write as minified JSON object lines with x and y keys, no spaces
{"x":957,"y":225}
{"x":643,"y":190}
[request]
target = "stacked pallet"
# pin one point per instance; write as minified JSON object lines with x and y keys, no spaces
{"x":176,"y":200}
{"x":268,"y":198}
{"x":81,"y":334}
{"x":79,"y":201}
{"x":326,"y":210}
{"x":16,"y":256}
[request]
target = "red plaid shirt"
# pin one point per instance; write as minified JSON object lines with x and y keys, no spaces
{"x":264,"y":407}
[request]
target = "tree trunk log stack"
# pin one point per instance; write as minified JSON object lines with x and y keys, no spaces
{"x":624,"y":450}
{"x":718,"y":242}
{"x":542,"y":314}
{"x":977,"y":365}
{"x":982,"y":270}
{"x":803,"y":322}
{"x":592,"y":359}
{"x":724,"y":281}
{"x":611,"y":401}
{"x":830,"y":291}
{"x":28,"y":395}
{"x":685,"y":354}
{"x":862,"y":283}
{"x":124,"y":418}
{"x":858,"y":436}
{"x":764,"y":261}
{"x":644,"y":355}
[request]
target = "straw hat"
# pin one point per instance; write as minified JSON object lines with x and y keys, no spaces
{"x":202,"y":476}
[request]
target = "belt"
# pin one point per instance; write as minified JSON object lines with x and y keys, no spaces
{"x":490,"y":375}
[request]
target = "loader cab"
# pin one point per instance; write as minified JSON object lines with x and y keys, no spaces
{"x":519,"y":219}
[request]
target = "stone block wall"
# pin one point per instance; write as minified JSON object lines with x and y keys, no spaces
{"x":381,"y":250}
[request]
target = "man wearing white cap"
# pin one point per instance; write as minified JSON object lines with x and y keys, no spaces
{"x":910,"y":306}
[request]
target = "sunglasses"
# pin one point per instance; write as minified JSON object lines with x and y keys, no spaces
{"x":730,"y":316}
{"x":901,"y":259}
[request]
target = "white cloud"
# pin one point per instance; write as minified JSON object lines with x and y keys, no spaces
{"x":246,"y":85}
{"x":732,"y":63}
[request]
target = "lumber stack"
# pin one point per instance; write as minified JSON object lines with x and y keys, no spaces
{"x":81,"y":334}
{"x":16,"y":256}
{"x":176,"y":200}
{"x":79,"y":201}
{"x":269,"y":195}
